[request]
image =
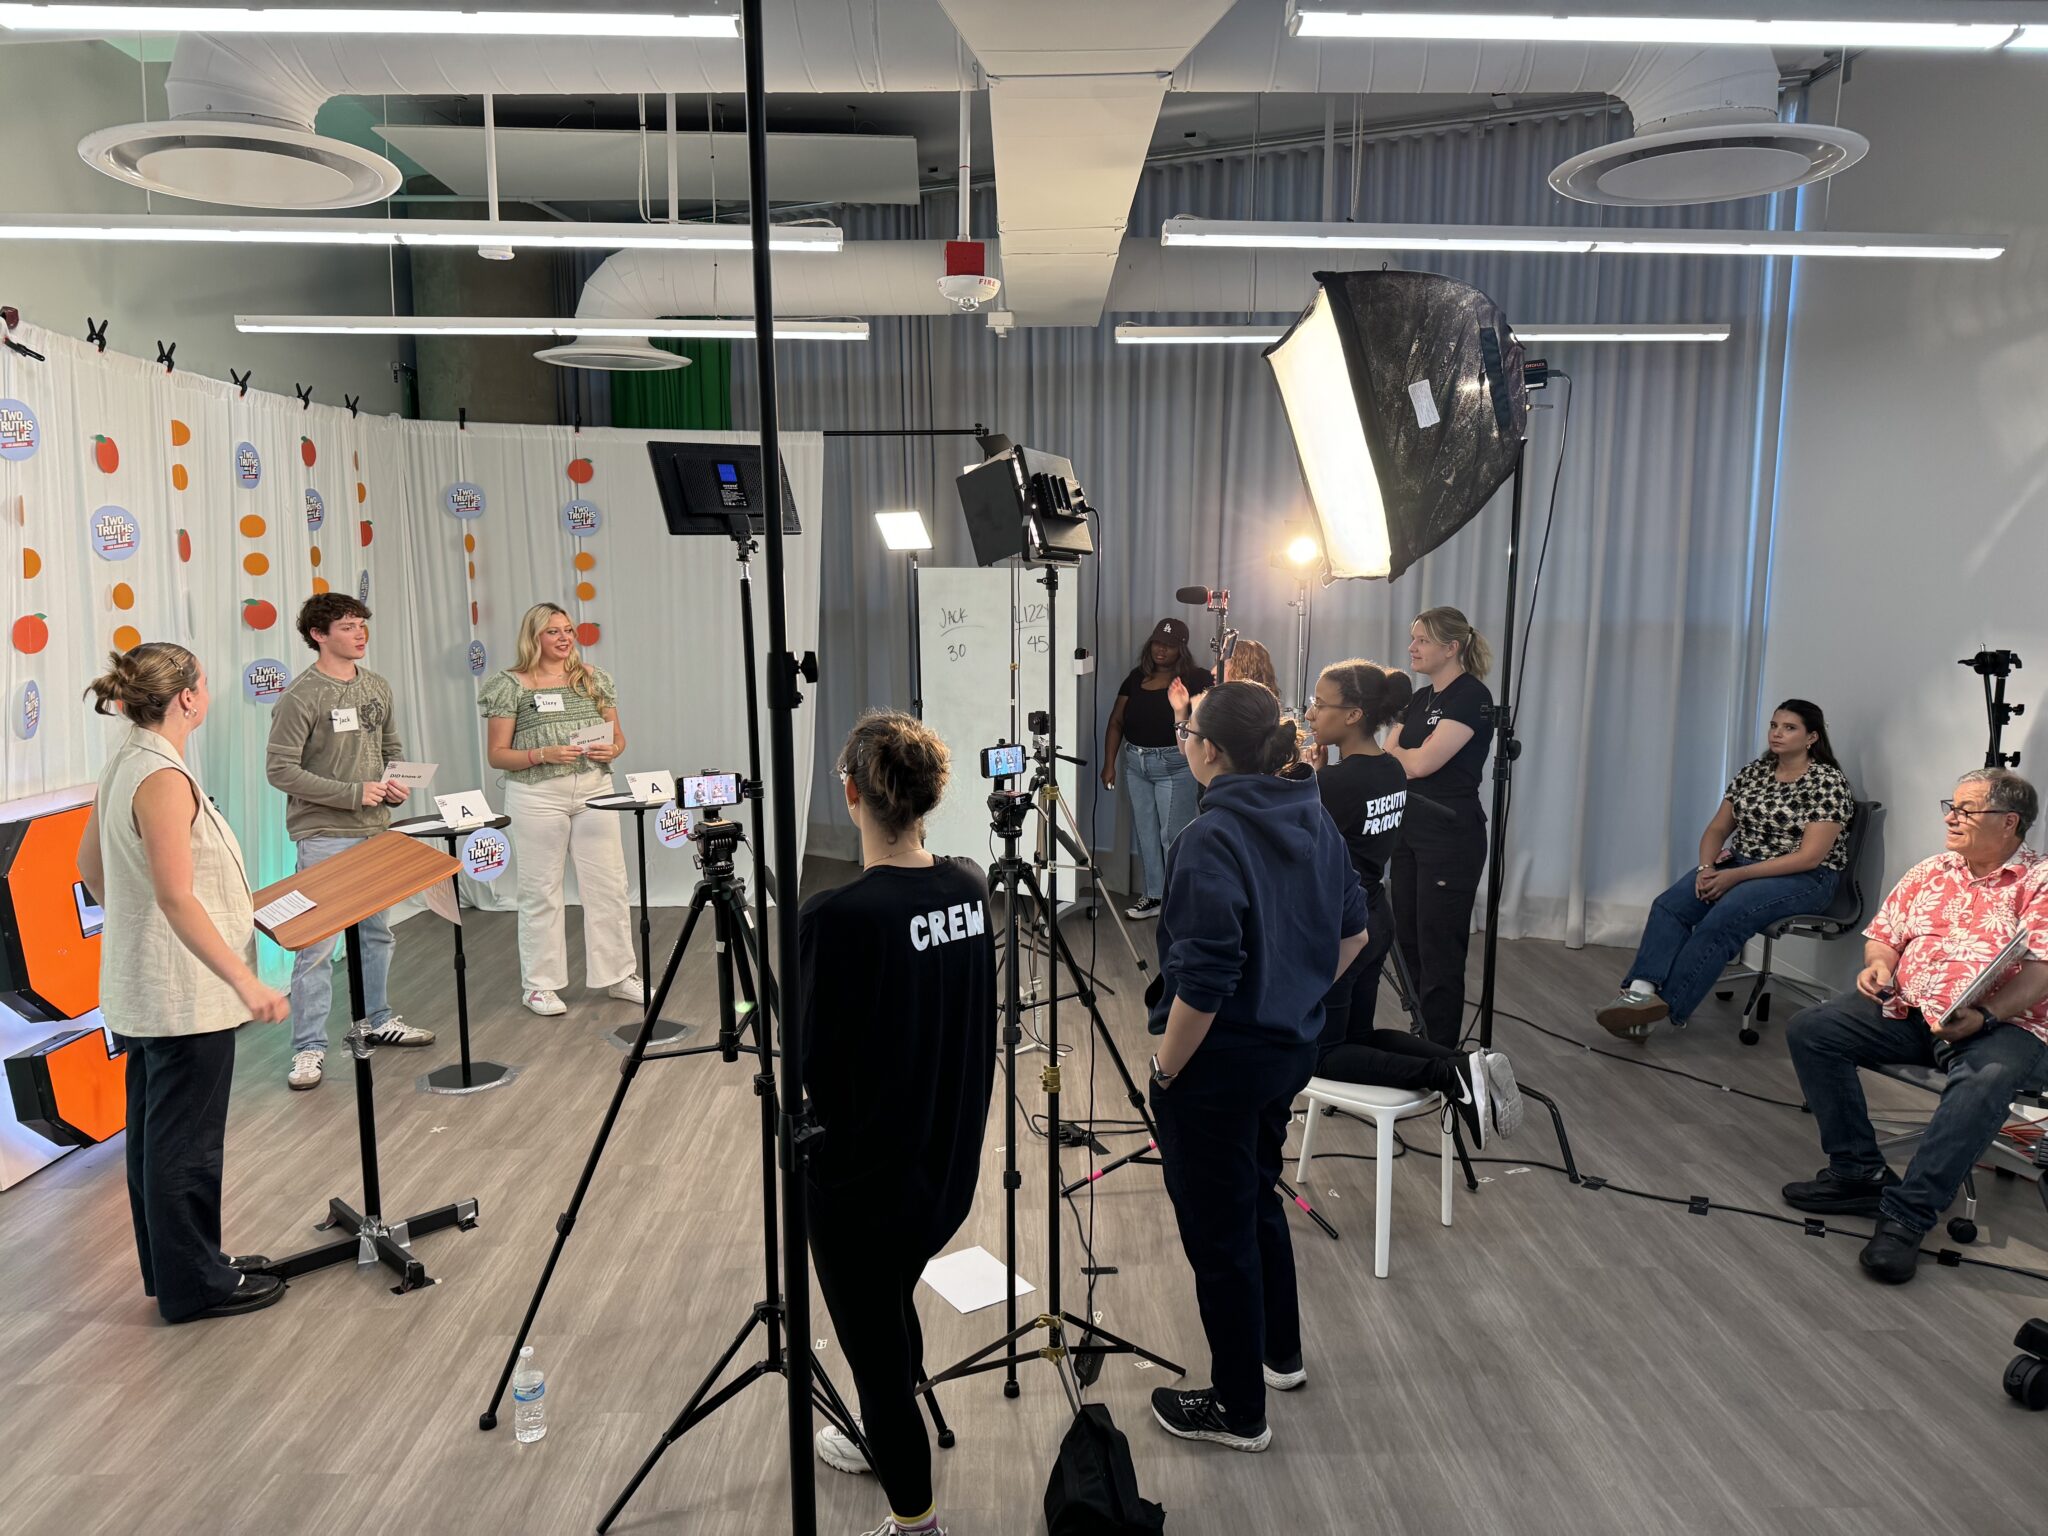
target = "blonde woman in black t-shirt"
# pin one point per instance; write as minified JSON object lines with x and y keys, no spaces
{"x":1774,"y":849}
{"x":1442,"y":743}
{"x":899,"y":1030}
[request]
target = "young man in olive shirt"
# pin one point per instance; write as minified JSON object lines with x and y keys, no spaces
{"x":331,"y":735}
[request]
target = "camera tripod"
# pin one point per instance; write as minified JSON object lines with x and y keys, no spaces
{"x":1014,"y":878}
{"x":739,"y":1012}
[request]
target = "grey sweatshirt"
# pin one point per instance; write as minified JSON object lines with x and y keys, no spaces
{"x":322,"y":770}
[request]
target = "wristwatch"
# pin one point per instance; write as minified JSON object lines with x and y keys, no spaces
{"x":1991,"y":1020}
{"x":1160,"y":1078}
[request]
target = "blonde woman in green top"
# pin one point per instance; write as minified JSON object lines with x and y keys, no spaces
{"x":532,"y":711}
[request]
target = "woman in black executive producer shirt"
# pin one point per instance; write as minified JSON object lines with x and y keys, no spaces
{"x":899,"y":1026}
{"x":1442,"y":744}
{"x":1365,"y":790}
{"x":1140,"y":747}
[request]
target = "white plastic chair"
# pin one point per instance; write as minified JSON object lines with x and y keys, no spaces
{"x":1384,"y":1107}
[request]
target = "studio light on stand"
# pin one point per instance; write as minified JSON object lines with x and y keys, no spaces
{"x":1408,"y":397}
{"x":905,"y":532}
{"x":1301,"y":555}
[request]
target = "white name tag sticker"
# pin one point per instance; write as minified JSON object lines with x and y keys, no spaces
{"x":547,"y":703}
{"x":343,"y":720}
{"x":1424,"y":401}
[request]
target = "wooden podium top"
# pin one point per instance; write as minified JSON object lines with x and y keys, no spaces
{"x":356,"y":883}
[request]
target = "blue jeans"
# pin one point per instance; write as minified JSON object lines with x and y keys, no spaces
{"x":1688,"y":942}
{"x":312,"y":970}
{"x":1830,"y":1040}
{"x":1162,"y":790}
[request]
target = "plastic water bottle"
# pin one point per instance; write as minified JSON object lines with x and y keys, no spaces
{"x":529,"y":1399}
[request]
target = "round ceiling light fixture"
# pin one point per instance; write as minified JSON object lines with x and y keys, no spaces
{"x":612,"y":354}
{"x":1716,"y":163}
{"x":241,"y":163}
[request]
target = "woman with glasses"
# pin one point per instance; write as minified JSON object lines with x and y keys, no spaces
{"x":1774,"y":849}
{"x":1263,"y":913}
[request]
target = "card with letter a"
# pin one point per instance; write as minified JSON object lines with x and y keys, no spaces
{"x":657,"y":788}
{"x":467,"y":809}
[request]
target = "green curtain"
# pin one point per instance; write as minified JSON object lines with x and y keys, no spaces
{"x":698,"y":396}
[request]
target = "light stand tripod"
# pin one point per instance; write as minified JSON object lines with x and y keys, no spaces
{"x":1013,"y":878}
{"x":1995,"y":667}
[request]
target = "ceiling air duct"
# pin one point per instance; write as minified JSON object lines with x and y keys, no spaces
{"x":1707,"y":131}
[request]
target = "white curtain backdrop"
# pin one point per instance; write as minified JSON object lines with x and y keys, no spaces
{"x":667,"y":609}
{"x":1643,"y":657}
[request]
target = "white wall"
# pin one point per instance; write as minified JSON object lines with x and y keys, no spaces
{"x":51,"y":96}
{"x":1913,"y":499}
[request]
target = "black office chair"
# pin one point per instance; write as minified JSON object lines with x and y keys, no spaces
{"x":1843,"y":916}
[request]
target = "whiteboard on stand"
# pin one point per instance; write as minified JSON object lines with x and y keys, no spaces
{"x":964,"y":647}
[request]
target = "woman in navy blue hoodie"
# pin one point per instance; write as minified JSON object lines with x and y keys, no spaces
{"x":1263,"y":912}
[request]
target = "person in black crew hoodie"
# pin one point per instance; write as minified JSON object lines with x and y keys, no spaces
{"x":899,"y":1029}
{"x":1263,"y":913}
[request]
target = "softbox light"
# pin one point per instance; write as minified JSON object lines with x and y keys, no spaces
{"x":1404,"y":424}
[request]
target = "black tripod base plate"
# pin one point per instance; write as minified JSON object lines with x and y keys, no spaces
{"x":666,"y":1032}
{"x":451,"y":1079}
{"x":388,"y":1244}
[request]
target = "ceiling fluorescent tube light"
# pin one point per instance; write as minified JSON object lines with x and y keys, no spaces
{"x":159,"y":20}
{"x":1265,"y":335}
{"x":1271,"y":235}
{"x":534,"y":234}
{"x":498,"y":325}
{"x":1845,"y":30}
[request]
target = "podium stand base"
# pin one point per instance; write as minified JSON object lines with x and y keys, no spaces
{"x":372,"y":1241}
{"x":666,"y":1032}
{"x":482,"y":1075}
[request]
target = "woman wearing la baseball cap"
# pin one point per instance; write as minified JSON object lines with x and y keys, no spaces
{"x":1139,"y":747}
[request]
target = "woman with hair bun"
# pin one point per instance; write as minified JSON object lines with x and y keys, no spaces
{"x":177,"y":979}
{"x":1263,"y":913}
{"x":1773,"y":849}
{"x":1442,"y":744}
{"x":1366,"y":793}
{"x":899,"y":1028}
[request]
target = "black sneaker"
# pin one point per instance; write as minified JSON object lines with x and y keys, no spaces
{"x":254,"y":1294}
{"x":1892,"y":1254}
{"x":1142,"y":908}
{"x":1198,"y":1416}
{"x":1827,"y":1195}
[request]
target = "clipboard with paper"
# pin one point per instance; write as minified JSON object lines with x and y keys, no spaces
{"x":1996,"y":972}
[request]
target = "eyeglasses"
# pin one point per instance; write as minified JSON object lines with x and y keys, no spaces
{"x":1950,"y":808}
{"x":1185,"y":731}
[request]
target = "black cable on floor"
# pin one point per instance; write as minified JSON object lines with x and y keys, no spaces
{"x":1638,"y":1061}
{"x":1701,"y":1205}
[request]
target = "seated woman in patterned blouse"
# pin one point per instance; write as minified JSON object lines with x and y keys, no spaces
{"x":1774,"y":849}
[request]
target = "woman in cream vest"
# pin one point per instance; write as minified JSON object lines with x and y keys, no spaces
{"x":177,"y":979}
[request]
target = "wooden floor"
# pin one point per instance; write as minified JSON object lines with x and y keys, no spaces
{"x":1558,"y":1361}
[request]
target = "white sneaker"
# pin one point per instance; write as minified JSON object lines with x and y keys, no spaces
{"x":627,"y":991}
{"x":1506,"y":1097}
{"x":395,"y":1031}
{"x":546,"y":1004}
{"x":838,"y":1451}
{"x":1285,"y":1381}
{"x":889,"y":1527}
{"x":306,"y":1069}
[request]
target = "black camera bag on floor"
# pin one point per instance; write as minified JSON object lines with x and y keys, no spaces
{"x":1094,"y":1487}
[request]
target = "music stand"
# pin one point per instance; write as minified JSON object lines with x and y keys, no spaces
{"x":666,"y":1031}
{"x":357,"y":883}
{"x":465,"y":1076}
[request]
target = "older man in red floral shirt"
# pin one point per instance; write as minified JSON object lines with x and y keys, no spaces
{"x":1939,"y":928}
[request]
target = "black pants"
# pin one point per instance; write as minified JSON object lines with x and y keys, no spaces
{"x":1436,"y":874}
{"x":177,"y":1135}
{"x":1349,"y":1008}
{"x":869,"y":1253}
{"x":1222,"y":1127}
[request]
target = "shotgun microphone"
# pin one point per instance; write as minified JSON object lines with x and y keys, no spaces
{"x":1196,"y":595}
